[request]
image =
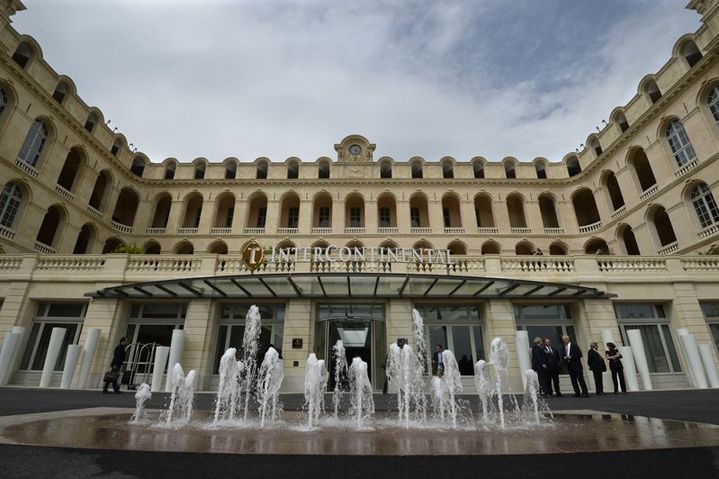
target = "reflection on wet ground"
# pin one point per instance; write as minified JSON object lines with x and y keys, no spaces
{"x":586,"y":432}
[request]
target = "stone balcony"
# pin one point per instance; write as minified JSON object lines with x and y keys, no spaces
{"x":121,"y":268}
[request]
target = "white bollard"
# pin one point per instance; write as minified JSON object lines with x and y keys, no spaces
{"x":705,"y":351}
{"x":640,"y":357}
{"x":88,"y":354}
{"x":73,"y":354}
{"x":53,"y":351}
{"x":10,"y":344}
{"x":607,"y":337}
{"x":630,"y":369}
{"x":523,"y":354}
{"x":158,"y":369}
{"x":18,"y":352}
{"x":176,"y":346}
{"x":695,"y":361}
{"x":690,"y":374}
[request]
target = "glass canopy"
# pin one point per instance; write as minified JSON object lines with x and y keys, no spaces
{"x":348,"y":285}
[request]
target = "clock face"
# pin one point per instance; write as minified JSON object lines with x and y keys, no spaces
{"x":355,"y":150}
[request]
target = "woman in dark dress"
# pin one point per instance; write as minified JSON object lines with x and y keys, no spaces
{"x":616,"y":367}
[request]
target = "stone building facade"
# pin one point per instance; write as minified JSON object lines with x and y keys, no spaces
{"x":623,"y":225}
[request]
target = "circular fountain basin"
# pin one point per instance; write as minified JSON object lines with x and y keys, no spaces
{"x":566,"y":433}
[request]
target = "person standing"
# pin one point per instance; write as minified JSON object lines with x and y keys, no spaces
{"x":616,"y":367}
{"x":573,"y":359}
{"x":113,"y":375}
{"x":539,"y":365}
{"x":596,"y":364}
{"x":438,"y":361}
{"x":554,"y":365}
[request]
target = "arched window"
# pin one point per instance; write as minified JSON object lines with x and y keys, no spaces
{"x":85,"y":238}
{"x":138,"y":166}
{"x":621,"y":120}
{"x":71,"y":169}
{"x":615,"y":193}
{"x":596,"y":146}
{"x":652,"y":90}
{"x":23,"y":54}
{"x":323,"y":172}
{"x":478,"y":168}
{"x":678,"y":139}
{"x":509,"y":170}
{"x":60,"y":92}
{"x":170,"y":170}
{"x":691,"y":53}
{"x":447,"y":169}
{"x":293,"y":171}
{"x":385,"y":169}
{"x":115,"y":148}
{"x":34,"y":143}
{"x":10,"y":201}
{"x":705,"y":205}
{"x":541,"y":170}
{"x":262,"y":170}
{"x":713,"y":103}
{"x":639,"y":161}
{"x":91,"y":121}
{"x":230,"y":170}
{"x":416,"y":167}
{"x":573,"y":166}
{"x":200,"y":171}
{"x":4,"y":101}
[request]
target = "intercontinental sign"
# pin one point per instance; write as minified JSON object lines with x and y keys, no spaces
{"x":254,"y":254}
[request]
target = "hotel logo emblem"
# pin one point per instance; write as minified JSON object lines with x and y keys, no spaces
{"x":253,"y":255}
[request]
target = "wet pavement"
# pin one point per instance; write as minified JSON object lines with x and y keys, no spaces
{"x":568,"y":433}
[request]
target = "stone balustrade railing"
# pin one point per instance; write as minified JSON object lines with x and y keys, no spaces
{"x":122,"y":267}
{"x":630,"y":264}
{"x":550,"y":264}
{"x":701,"y":263}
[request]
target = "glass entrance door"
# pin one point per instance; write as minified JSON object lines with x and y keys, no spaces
{"x":361,"y":328}
{"x":357,"y":339}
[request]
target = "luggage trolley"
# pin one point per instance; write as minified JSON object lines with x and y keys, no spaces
{"x":139,"y":364}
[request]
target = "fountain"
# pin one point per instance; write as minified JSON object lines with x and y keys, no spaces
{"x":250,"y":347}
{"x":181,"y":400}
{"x":340,"y":363}
{"x":228,"y":389}
{"x":446,"y":388}
{"x":484,"y":388}
{"x":141,"y":396}
{"x":531,"y":399}
{"x":499,"y":358}
{"x":405,"y":370}
{"x":316,"y":377}
{"x":361,"y":401}
{"x":268,"y":384}
{"x":419,"y":342}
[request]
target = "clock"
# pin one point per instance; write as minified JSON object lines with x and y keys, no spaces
{"x":355,"y":150}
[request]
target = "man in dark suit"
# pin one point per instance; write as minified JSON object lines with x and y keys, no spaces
{"x":596,"y":364}
{"x":118,"y":358}
{"x":539,"y":365}
{"x":554,"y":365}
{"x":438,"y":361}
{"x":573,"y":359}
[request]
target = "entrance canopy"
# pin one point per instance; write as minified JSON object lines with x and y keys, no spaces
{"x":347,"y":285}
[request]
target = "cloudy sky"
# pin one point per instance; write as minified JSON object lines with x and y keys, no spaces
{"x":280,"y":78}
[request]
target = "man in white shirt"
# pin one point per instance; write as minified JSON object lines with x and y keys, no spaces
{"x":572,"y":355}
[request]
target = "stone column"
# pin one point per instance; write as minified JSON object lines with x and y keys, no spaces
{"x":499,"y":321}
{"x":109,"y":315}
{"x":338,"y":214}
{"x":200,"y":327}
{"x":298,"y":324}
